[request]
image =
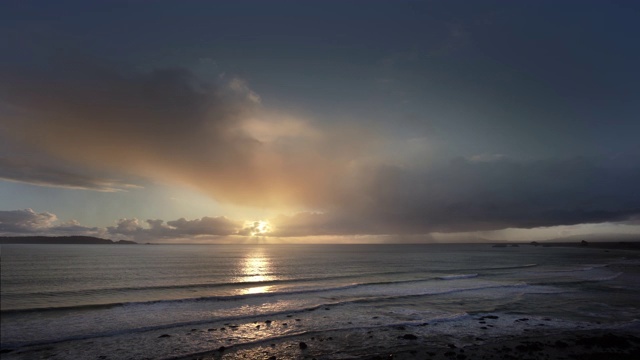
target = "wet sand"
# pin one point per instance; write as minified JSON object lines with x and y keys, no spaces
{"x":479,"y":336}
{"x":610,"y":344}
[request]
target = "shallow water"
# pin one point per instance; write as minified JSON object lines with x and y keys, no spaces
{"x":112,"y":295}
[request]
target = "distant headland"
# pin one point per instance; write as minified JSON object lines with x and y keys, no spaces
{"x":79,"y":240}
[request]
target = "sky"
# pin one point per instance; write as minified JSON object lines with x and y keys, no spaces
{"x":320,"y":121}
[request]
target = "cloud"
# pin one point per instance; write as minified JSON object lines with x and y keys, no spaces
{"x":465,"y":195}
{"x":19,"y":170}
{"x":27,"y":222}
{"x":169,"y":126}
{"x":206,"y":226}
{"x":240,"y":86}
{"x":175,"y":229}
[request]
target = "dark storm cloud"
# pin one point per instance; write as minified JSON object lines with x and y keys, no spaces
{"x":466,"y":195}
{"x":38,"y":174}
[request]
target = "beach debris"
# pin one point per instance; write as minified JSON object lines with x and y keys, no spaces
{"x":409,"y":337}
{"x":164,"y":336}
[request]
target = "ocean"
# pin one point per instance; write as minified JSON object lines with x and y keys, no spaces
{"x":172,"y":301}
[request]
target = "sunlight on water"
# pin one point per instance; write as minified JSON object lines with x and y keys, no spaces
{"x":257,"y":268}
{"x":256,"y":290}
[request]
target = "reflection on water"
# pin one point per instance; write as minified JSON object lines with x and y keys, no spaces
{"x":257,"y":268}
{"x":256,"y":290}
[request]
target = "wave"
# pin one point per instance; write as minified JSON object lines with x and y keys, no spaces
{"x":507,"y":267}
{"x":237,"y":297}
{"x":266,"y":295}
{"x":440,"y":292}
{"x":512,"y":267}
{"x":237,"y":284}
{"x":575,"y":269}
{"x":249,"y":319}
{"x":203,"y":298}
{"x":100,"y":291}
{"x":578,"y":281}
{"x":456,"y":277}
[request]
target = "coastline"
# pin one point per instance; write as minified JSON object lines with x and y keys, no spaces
{"x":470,"y":336}
{"x":588,"y":345}
{"x":598,"y":343}
{"x":513,"y":309}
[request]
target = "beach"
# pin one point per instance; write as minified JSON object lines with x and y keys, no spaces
{"x":323,"y":302}
{"x":592,"y":344}
{"x":475,"y":337}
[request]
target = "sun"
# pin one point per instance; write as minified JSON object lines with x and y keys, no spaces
{"x":257,"y":227}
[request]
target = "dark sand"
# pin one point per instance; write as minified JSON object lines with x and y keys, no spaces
{"x":607,"y":344}
{"x":588,"y":345}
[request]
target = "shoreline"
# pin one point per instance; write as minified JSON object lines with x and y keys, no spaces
{"x":594,"y":344}
{"x":589,"y":344}
{"x":498,"y":310}
{"x":485,"y":335}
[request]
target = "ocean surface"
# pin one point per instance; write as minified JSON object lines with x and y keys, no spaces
{"x":86,"y":301}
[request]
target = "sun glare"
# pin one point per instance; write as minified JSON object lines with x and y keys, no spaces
{"x":258,"y":228}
